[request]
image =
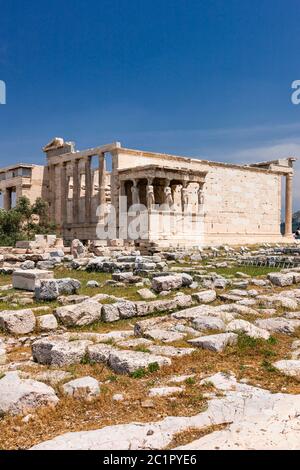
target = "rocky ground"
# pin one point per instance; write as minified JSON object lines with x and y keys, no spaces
{"x":174,"y":350}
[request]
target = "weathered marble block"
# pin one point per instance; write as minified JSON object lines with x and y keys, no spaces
{"x":26,"y":280}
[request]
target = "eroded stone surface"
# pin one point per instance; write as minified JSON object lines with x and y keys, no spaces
{"x":20,"y":396}
{"x":215,"y":343}
{"x":274,"y":417}
{"x":81,"y":314}
{"x":289,"y":367}
{"x":59,"y":351}
{"x":84,"y":387}
{"x":47,"y":322}
{"x":127,"y":362}
{"x":17,"y":322}
{"x":248,"y":328}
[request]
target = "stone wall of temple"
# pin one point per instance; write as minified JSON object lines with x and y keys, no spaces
{"x":242,"y":205}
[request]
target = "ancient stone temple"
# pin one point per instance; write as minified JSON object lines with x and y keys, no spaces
{"x":182,"y":202}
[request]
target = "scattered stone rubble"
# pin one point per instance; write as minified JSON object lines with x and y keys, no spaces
{"x":184,"y":306}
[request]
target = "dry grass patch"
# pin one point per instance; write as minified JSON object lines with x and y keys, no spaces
{"x":192,"y":434}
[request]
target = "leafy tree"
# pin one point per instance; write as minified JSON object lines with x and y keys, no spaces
{"x":18,"y":223}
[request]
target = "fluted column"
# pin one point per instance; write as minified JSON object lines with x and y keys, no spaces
{"x":52,"y":193}
{"x":64,"y":186}
{"x":288,"y":205}
{"x":76,"y":191}
{"x":88,"y":190}
{"x":102,"y":180}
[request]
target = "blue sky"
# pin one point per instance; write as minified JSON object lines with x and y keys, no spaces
{"x":210,"y":79}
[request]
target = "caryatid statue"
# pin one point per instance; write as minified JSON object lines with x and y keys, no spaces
{"x":168,"y":196}
{"x":184,"y":197}
{"x":150,"y":196}
{"x":135,"y":193}
{"x":200,"y":196}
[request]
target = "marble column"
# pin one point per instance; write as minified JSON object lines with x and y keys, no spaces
{"x":76,"y":191}
{"x":64,"y":189}
{"x":88,"y":191}
{"x":52,"y":193}
{"x":288,"y":205}
{"x":102,"y":180}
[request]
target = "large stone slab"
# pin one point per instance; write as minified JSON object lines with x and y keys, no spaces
{"x":277,"y":301}
{"x":20,"y":396}
{"x":99,"y":353}
{"x":208,"y":323}
{"x":281,"y":279}
{"x":110,"y":313}
{"x":59,"y":352}
{"x":165,"y":336}
{"x":248,"y":328}
{"x":51,"y":289}
{"x":84,"y":387}
{"x":17,"y":322}
{"x":27,"y":280}
{"x":206,"y":296}
{"x":215,"y":343}
{"x":127,"y":309}
{"x":127,"y":362}
{"x":278,"y":325}
{"x":166,"y":305}
{"x":46,"y":323}
{"x":171,"y":282}
{"x":289,"y":367}
{"x":85,"y":313}
{"x":170,"y":351}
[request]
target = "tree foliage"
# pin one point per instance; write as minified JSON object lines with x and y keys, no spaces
{"x":24,"y":221}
